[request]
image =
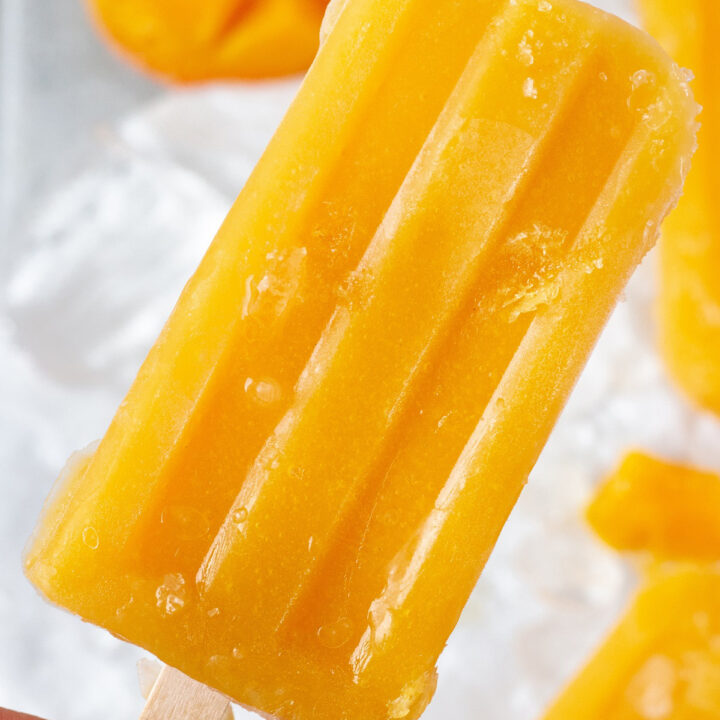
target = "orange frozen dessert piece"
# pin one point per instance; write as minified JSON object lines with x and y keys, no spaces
{"x":670,"y":510}
{"x":304,"y":482}
{"x":661,"y":663}
{"x":195,"y":40}
{"x":690,"y":248}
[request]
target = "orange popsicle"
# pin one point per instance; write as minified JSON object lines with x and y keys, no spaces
{"x":661,"y":663}
{"x":669,"y":510}
{"x":190,"y":41}
{"x":690,"y":249}
{"x":302,"y":486}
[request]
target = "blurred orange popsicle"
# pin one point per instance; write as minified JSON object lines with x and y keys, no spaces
{"x":303,"y":485}
{"x":690,"y":249}
{"x":189,"y":41}
{"x":661,"y":663}
{"x":667,"y":509}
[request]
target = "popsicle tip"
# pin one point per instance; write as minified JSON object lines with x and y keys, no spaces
{"x":54,"y":511}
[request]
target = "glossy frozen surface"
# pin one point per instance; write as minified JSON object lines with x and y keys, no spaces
{"x":520,"y":607}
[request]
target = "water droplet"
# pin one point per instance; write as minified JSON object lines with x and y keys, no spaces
{"x":640,"y":78}
{"x":380,"y":615}
{"x":265,"y":391}
{"x":541,"y":254}
{"x":90,"y":538}
{"x":279,"y":287}
{"x":170,"y":596}
{"x":239,"y":515}
{"x":237,"y":653}
{"x":531,"y":299}
{"x":120,"y":612}
{"x":525,"y":51}
{"x":213,"y":612}
{"x":216,"y":661}
{"x":544,"y":6}
{"x":642,"y":91}
{"x":250,"y":296}
{"x":335,"y":634}
{"x":603,"y":76}
{"x":529,"y":89}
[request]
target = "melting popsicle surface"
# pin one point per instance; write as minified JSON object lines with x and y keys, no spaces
{"x":303,"y":484}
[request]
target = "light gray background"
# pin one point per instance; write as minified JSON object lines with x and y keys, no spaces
{"x":112,"y":187}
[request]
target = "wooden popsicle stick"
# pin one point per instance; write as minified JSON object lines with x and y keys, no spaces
{"x":177,"y":697}
{"x":148,"y":671}
{"x":12,"y":715}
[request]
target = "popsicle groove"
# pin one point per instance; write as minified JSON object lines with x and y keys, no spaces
{"x":331,"y":251}
{"x":435,"y":555}
{"x":292,"y":171}
{"x":486,"y":333}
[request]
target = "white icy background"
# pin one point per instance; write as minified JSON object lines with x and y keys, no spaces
{"x":88,"y":274}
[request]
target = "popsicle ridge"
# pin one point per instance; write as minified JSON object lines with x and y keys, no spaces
{"x":353,"y":190}
{"x":340,"y":395}
{"x":337,"y":235}
{"x":435,"y":558}
{"x":472,"y":345}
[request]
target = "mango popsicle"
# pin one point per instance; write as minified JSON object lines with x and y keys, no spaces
{"x":667,"y":509}
{"x":663,"y":660}
{"x":689,"y":301}
{"x":302,"y":486}
{"x":190,"y":41}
